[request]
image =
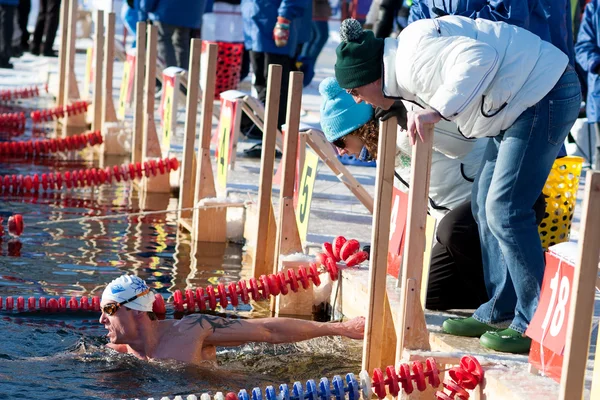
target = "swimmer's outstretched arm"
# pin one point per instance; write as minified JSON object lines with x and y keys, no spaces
{"x":234,"y":332}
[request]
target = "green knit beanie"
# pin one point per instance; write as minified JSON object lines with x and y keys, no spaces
{"x":359,"y":56}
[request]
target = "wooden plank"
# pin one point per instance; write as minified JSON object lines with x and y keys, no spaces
{"x":187,"y":178}
{"x":384,"y":183}
{"x":108,"y":106}
{"x":256,"y":112}
{"x":208,"y":225}
{"x":265,"y":236}
{"x":62,"y":52}
{"x":150,"y":142}
{"x":582,"y":295}
{"x":71,"y":92}
{"x":98,"y":58}
{"x":322,"y":147}
{"x":288,"y":240}
{"x":138,"y":95}
{"x":412,"y":329}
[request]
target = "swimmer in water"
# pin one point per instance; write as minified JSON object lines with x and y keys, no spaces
{"x":133,"y":328}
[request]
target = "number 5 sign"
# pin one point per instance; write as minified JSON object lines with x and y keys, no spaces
{"x":307,"y":183}
{"x":549,"y":324}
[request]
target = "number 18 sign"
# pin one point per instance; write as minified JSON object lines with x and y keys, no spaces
{"x":549,"y":324}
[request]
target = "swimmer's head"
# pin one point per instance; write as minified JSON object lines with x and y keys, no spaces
{"x":126,"y":302}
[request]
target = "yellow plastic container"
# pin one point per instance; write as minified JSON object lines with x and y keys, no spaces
{"x":561,"y":191}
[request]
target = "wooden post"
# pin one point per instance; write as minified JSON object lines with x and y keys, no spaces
{"x":412,"y":330}
{"x":265,"y":236}
{"x":150,"y":143}
{"x":187,"y":177}
{"x":288,"y":239}
{"x":71,"y":92}
{"x":108,"y":105}
{"x":581,"y":308}
{"x":384,"y":183}
{"x":62,"y":53}
{"x":208,"y":225}
{"x":97,"y":102}
{"x":139,"y":115}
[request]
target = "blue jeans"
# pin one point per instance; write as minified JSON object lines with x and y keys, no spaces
{"x":513,"y":172}
{"x":312,"y":49}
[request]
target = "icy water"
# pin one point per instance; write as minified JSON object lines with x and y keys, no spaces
{"x":63,"y":356}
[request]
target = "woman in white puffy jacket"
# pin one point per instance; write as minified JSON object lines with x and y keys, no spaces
{"x":493,"y":80}
{"x":456,"y":259}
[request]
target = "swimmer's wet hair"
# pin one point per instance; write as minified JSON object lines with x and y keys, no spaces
{"x":152,"y":316}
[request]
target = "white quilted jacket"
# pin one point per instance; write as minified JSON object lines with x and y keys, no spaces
{"x":477,"y":73}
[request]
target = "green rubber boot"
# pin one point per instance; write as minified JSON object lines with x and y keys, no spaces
{"x":469,"y":327}
{"x":506,"y":341}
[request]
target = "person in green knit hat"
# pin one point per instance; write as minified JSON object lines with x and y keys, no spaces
{"x":492,"y":80}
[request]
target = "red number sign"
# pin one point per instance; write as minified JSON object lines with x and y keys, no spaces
{"x":397,"y":229}
{"x":549,"y":324}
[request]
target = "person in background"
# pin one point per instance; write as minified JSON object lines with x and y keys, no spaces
{"x":587,"y":51}
{"x":176,"y":20}
{"x":388,"y":13}
{"x":272,"y":38}
{"x":7,"y":20}
{"x":24,"y":10}
{"x":319,"y":35}
{"x":550,"y":19}
{"x":131,"y":14}
{"x":45,"y":28}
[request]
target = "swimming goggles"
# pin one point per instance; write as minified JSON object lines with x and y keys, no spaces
{"x":112,"y":308}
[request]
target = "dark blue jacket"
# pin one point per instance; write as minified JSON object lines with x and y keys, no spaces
{"x":260,"y":17}
{"x":549,"y":19}
{"x":185,"y":13}
{"x":9,"y":2}
{"x":587,"y":50}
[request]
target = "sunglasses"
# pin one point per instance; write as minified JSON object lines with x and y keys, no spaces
{"x":112,"y":308}
{"x":340,"y":143}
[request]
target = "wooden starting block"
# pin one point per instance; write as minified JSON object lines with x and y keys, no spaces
{"x":208,"y":225}
{"x":150,"y":144}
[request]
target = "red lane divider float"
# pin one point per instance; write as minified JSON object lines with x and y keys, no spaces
{"x":50,"y":114}
{"x":50,"y":305}
{"x":343,"y":250}
{"x":15,"y":225}
{"x":87,"y":177}
{"x":242,"y":291}
{"x":13,"y":120}
{"x":48,"y":146}
{"x":21,"y":93}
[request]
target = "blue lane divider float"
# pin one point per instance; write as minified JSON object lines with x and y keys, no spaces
{"x":466,"y":376}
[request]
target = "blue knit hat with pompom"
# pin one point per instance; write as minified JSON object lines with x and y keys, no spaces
{"x":340,"y":114}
